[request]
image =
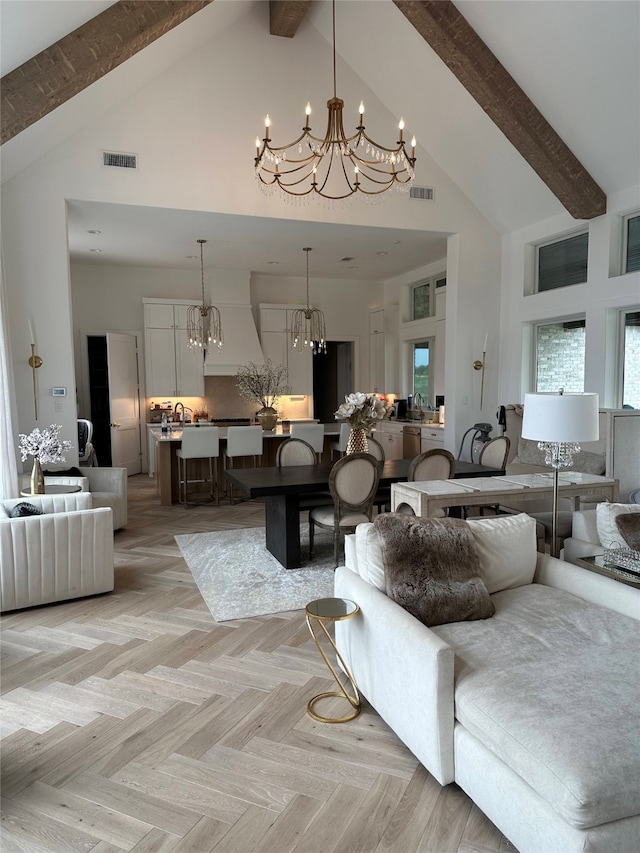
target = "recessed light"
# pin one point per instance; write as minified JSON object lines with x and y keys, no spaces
{"x":96,"y":251}
{"x":192,"y":257}
{"x":273,"y":263}
{"x":345,"y":259}
{"x":381,"y":254}
{"x":94,"y":231}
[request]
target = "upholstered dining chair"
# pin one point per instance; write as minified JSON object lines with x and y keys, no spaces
{"x":353,"y":483}
{"x":198,"y":443}
{"x":382,"y":498}
{"x":494,"y":453}
{"x":375,"y":448}
{"x":435,"y":464}
{"x":295,"y":451}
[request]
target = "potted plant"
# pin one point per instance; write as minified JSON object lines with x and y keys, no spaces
{"x":264,"y":384}
{"x":45,"y":446}
{"x":361,"y":411}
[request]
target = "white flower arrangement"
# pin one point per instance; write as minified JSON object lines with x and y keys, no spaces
{"x":44,"y":445}
{"x":265,"y":383}
{"x":360,"y":410}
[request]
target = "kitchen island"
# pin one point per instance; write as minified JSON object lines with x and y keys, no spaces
{"x":166,"y":461}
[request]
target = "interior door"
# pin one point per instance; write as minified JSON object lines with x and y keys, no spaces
{"x":124,"y":402}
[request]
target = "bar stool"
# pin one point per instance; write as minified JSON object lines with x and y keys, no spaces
{"x":338,"y":447}
{"x":313,"y":434}
{"x":198,"y":443}
{"x":242,"y":441}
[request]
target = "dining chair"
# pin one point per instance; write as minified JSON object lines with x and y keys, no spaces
{"x":382,"y":498}
{"x":339,"y":446}
{"x":295,"y":451}
{"x":353,"y":483}
{"x":198,"y":443}
{"x":494,"y":453}
{"x":435,"y":464}
{"x":375,"y":448}
{"x":242,"y":442}
{"x":313,"y":434}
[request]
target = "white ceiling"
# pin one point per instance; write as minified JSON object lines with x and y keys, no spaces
{"x":578,"y":60}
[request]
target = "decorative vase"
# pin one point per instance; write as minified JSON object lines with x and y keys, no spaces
{"x":37,"y":478}
{"x":357,"y":441}
{"x":268,"y":417}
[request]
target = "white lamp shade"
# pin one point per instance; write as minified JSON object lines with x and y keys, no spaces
{"x":561,"y":417}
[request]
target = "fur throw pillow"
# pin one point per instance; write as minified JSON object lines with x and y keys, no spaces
{"x":24,"y":509}
{"x":629,"y":527}
{"x":431,"y":568}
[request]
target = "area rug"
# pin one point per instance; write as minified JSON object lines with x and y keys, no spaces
{"x":239,"y":578}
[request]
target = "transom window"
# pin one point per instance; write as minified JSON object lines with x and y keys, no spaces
{"x":423,"y":300}
{"x":631,"y":247}
{"x":562,"y":262}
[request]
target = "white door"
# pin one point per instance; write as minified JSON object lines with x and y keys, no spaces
{"x":124,"y":402}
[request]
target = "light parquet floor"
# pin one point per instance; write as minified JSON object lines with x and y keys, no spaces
{"x":133,"y":722}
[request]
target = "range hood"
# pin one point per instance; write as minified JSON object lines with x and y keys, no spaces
{"x":230,"y":292}
{"x":241,"y":343}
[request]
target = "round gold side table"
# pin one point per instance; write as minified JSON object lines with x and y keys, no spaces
{"x":319,"y":614}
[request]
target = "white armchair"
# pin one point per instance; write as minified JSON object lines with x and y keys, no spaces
{"x":65,"y":553}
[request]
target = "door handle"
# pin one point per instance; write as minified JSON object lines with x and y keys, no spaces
{"x":114,"y":424}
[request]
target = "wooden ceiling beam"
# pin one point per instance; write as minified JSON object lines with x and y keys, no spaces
{"x":285,"y":16}
{"x":49,"y":79}
{"x":462,"y":50}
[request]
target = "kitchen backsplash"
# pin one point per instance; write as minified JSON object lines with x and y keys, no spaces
{"x":221,"y":400}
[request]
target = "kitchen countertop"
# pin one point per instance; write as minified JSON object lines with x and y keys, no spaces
{"x":278,"y":432}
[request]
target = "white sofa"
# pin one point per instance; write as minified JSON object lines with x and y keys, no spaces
{"x":108,"y":487}
{"x":594,"y":530}
{"x":65,"y":553}
{"x":533,"y":712}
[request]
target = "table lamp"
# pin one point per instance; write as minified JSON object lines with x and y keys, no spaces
{"x":559,"y":422}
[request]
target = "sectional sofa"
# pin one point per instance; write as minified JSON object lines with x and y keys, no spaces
{"x":534,"y":711}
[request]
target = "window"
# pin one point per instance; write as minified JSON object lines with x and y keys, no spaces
{"x":559,"y":356}
{"x":631,"y":247}
{"x":421,"y":370}
{"x":423,"y":301}
{"x":562,"y":263}
{"x":630,"y":358}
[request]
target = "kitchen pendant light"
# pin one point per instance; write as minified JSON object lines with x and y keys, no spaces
{"x":204,"y":329}
{"x":307,"y":325}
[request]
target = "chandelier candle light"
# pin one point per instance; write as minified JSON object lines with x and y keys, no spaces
{"x":307,"y":325}
{"x":337,"y":166}
{"x":203,"y":321}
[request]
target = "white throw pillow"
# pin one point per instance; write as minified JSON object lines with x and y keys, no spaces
{"x":608,"y":533}
{"x":506,"y":547}
{"x":369,"y":556}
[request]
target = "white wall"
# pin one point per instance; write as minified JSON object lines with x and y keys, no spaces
{"x":193,"y":135}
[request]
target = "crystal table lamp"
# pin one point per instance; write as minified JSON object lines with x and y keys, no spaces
{"x":559,"y":423}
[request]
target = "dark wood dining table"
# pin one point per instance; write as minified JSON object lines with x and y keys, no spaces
{"x":282,"y":487}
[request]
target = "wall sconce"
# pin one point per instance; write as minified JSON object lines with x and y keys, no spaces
{"x":479,"y":364}
{"x":34,"y":363}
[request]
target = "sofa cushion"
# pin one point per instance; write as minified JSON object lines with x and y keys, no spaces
{"x":550,"y":685}
{"x":370,"y":564}
{"x":608,"y":532}
{"x":629,"y":527}
{"x":506,"y":547}
{"x":24,"y":509}
{"x":62,"y":472}
{"x":431,"y":568}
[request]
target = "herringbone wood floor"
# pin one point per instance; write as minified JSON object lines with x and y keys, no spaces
{"x":132,"y":721}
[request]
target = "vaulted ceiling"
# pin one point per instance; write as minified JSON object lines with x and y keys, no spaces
{"x":543,"y":95}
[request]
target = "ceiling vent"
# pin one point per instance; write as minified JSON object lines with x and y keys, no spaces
{"x":423,"y":193}
{"x":119,"y":160}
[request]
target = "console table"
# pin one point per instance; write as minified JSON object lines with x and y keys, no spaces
{"x":426,"y":497}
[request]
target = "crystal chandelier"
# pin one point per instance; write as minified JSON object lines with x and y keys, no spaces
{"x":307,"y":325}
{"x":203,"y":321}
{"x":337,"y":166}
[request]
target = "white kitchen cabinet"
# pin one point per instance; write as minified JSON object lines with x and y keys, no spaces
{"x":431,"y":438}
{"x":171,"y":369}
{"x":376,"y":352}
{"x":275,"y":325}
{"x":389,"y":435}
